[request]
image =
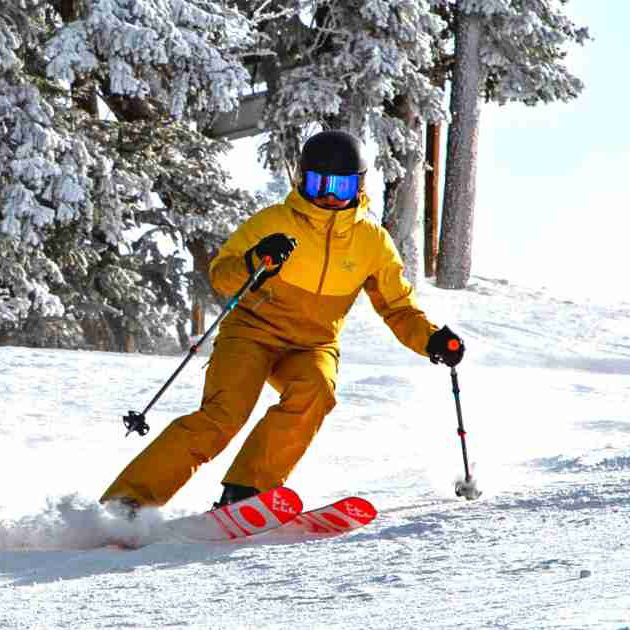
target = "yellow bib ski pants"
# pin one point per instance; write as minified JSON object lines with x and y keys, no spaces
{"x":238,"y":369}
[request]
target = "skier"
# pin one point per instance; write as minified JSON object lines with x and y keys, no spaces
{"x":285,"y":331}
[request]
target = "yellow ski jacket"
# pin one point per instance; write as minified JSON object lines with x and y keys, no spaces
{"x":304,"y":305}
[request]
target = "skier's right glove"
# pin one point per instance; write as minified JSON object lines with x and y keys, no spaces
{"x":445,"y":347}
{"x":277,"y":247}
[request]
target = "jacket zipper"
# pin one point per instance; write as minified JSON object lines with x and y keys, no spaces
{"x":327,"y":253}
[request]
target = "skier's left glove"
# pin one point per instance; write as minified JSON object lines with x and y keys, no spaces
{"x":445,"y":347}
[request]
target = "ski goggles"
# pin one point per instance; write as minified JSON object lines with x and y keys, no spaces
{"x":342,"y":187}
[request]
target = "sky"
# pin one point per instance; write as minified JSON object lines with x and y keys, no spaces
{"x":553,"y":191}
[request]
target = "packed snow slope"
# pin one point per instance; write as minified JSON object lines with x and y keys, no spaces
{"x":545,"y":389}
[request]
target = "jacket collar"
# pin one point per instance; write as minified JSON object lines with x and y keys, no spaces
{"x":321,"y":217}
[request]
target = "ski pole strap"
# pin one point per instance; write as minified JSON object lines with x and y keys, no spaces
{"x":260,"y":275}
{"x":256,"y":278}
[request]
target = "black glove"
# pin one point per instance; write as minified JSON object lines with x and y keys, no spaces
{"x":277,"y":247}
{"x":445,"y":347}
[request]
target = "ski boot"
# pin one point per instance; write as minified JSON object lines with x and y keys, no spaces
{"x":124,"y":507}
{"x":233,"y":492}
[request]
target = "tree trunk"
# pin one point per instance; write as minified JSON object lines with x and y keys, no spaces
{"x":403,"y":218}
{"x":201,"y":261}
{"x":198,"y":317}
{"x":204,"y":296}
{"x":431,"y":199}
{"x":68,"y":9}
{"x":130,"y":343}
{"x":403,"y":199}
{"x":454,"y":258}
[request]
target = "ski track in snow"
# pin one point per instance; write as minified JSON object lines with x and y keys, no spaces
{"x":545,"y":395}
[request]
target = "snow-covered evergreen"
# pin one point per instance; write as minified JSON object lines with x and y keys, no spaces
{"x":366,"y":68}
{"x":84,"y":201}
{"x":359,"y":59}
{"x":105,"y":112}
{"x":182,"y":54}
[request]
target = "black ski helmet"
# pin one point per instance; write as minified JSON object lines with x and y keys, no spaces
{"x":333,"y":153}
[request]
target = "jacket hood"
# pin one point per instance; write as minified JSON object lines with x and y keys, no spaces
{"x":321,"y":217}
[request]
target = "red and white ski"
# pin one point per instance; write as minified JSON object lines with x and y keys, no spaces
{"x":274,"y":516}
{"x":256,"y":515}
{"x":330,"y":520}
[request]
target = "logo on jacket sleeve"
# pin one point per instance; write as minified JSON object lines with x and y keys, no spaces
{"x":348,"y":265}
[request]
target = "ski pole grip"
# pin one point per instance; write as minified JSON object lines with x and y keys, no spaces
{"x":453,"y":345}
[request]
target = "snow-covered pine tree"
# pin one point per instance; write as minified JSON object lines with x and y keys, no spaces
{"x":85,"y":202}
{"x":182,"y":55}
{"x":507,"y":50}
{"x":276,"y":189}
{"x":350,"y":69}
{"x":42,"y":169}
{"x":170,"y":63}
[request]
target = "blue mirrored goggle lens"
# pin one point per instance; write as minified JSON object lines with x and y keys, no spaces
{"x":343,"y":187}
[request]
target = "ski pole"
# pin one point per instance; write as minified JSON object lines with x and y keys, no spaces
{"x":468,"y":487}
{"x":136,"y":421}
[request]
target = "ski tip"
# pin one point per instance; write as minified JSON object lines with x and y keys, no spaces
{"x":357,"y":508}
{"x":284,"y":503}
{"x":287,"y":493}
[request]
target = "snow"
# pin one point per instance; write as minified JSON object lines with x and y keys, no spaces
{"x":545,"y":393}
